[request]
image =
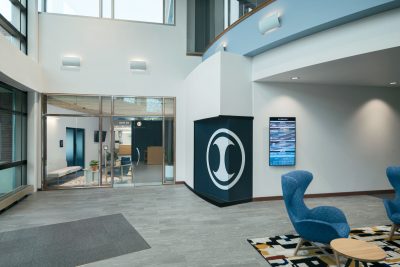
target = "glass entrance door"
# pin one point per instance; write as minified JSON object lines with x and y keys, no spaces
{"x":148,"y":143}
{"x":123,"y":158}
{"x":138,"y":151}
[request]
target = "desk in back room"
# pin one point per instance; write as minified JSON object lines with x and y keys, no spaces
{"x":154,"y":155}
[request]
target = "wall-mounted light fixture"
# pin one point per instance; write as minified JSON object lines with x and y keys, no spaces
{"x":269,"y":23}
{"x":137,"y":65}
{"x":224,"y":46}
{"x":71,"y":62}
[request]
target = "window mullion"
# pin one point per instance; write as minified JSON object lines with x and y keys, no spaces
{"x":112,"y":9}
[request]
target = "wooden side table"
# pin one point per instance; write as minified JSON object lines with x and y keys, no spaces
{"x":357,"y":251}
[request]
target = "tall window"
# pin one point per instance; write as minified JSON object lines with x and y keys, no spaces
{"x":74,"y":7}
{"x":13,"y":130}
{"x":207,"y":19}
{"x":13,"y":22}
{"x":154,"y":11}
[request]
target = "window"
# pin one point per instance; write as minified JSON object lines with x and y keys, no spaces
{"x":13,"y":135}
{"x":169,"y":17}
{"x":154,"y":11}
{"x":149,"y":11}
{"x":207,"y":19}
{"x":13,"y":22}
{"x":106,"y":9}
{"x":89,"y":8}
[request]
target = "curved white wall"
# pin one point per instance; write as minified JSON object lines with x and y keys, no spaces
{"x":219,"y":86}
{"x":363,"y":36}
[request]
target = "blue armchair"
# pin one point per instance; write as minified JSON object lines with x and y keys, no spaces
{"x":393,"y":206}
{"x":321,"y":224}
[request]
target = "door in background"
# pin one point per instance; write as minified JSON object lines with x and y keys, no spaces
{"x":123,"y":165}
{"x":80,"y":147}
{"x":75,"y":147}
{"x":138,"y":158}
{"x":148,"y":153}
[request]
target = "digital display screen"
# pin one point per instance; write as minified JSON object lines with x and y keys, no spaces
{"x":282,"y":141}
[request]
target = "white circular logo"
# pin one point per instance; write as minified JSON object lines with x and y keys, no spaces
{"x":223,"y":138}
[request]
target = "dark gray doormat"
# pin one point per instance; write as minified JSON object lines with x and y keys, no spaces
{"x":70,"y":244}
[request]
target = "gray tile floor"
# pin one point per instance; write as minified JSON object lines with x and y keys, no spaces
{"x":182,"y":229}
{"x":144,"y":173}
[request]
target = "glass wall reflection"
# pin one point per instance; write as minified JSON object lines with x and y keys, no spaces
{"x":169,"y":140}
{"x":73,"y":151}
{"x":108,"y":141}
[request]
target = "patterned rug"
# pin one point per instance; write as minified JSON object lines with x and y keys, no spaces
{"x":278,"y":250}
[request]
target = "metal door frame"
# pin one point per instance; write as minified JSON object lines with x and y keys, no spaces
{"x":100,"y":117}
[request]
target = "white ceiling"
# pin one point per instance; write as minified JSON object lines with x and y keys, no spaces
{"x":372,"y":69}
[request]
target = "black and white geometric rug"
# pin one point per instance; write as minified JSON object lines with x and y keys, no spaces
{"x":278,"y":250}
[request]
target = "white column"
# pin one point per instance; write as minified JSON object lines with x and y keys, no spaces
{"x":34,"y":140}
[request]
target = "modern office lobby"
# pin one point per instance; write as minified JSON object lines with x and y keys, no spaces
{"x":199,"y":133}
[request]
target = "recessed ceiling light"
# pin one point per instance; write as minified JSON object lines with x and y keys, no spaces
{"x":295,"y":78}
{"x":393,"y":83}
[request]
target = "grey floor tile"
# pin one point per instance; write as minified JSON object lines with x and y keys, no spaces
{"x":182,"y":229}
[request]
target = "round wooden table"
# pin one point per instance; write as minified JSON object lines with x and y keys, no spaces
{"x":357,"y":251}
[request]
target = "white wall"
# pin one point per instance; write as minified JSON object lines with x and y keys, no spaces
{"x":346,"y":136}
{"x":17,"y":69}
{"x":236,"y":97}
{"x":202,"y":99}
{"x":219,"y":86}
{"x":362,"y":36}
{"x":105,"y":47}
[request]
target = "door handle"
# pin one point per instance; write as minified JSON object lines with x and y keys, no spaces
{"x":138,"y":159}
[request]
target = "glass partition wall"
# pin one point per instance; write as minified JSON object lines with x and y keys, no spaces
{"x":104,"y":141}
{"x":13,"y":139}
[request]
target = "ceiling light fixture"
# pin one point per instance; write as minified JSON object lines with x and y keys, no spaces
{"x":393,"y":83}
{"x":295,"y":78}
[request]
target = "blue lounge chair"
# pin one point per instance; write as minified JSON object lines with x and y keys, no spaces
{"x":393,"y":206}
{"x":321,"y":224}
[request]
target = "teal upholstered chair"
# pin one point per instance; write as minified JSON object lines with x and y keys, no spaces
{"x":393,"y":205}
{"x":321,"y":224}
